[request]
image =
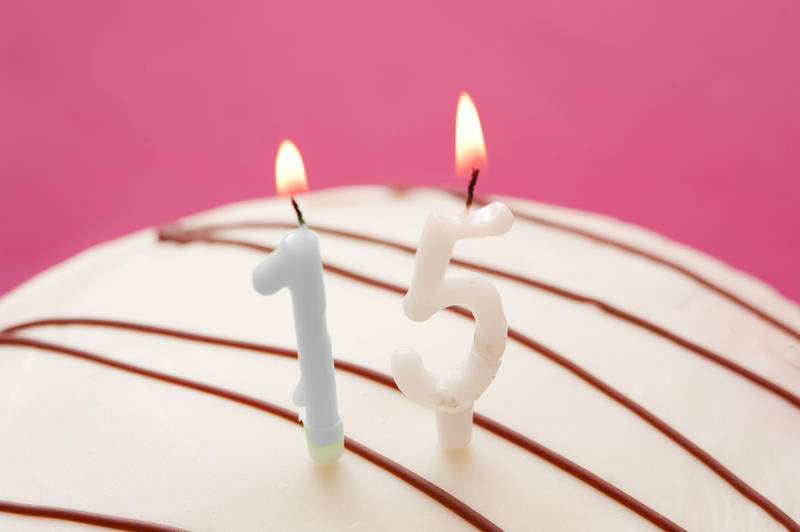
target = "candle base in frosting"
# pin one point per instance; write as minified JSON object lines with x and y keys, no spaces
{"x":326,"y":453}
{"x":455,"y":428}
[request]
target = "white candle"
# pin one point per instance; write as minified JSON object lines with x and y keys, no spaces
{"x":453,"y":393}
{"x":296,"y":264}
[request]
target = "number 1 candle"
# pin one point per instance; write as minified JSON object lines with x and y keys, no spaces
{"x":296,"y":265}
{"x":452,"y":394}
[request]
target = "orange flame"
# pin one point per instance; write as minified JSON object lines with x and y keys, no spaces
{"x":470,"y":149}
{"x":290,"y":174}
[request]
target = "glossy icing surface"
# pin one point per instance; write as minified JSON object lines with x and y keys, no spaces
{"x":88,"y":437}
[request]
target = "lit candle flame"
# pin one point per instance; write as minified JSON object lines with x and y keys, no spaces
{"x":470,"y":149}
{"x":290,"y":174}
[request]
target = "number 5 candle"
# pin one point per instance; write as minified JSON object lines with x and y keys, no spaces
{"x":452,"y":394}
{"x":296,"y":265}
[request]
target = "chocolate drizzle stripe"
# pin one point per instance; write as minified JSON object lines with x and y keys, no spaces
{"x":607,"y":308}
{"x":432,"y":490}
{"x":630,"y":248}
{"x":481,"y":420}
{"x":87,"y":518}
{"x":712,"y":463}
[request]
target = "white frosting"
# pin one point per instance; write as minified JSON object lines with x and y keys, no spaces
{"x":80,"y":435}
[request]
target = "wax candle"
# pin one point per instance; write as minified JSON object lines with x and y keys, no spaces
{"x":452,"y":394}
{"x":296,"y":264}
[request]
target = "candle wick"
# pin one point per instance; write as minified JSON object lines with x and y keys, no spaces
{"x":300,"y":220}
{"x":471,"y":188}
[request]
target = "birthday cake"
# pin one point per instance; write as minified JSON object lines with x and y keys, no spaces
{"x":145,"y":385}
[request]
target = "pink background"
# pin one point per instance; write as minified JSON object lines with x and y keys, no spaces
{"x":680,"y":116}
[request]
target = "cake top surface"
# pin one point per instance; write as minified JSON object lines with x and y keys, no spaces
{"x":87,"y":436}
